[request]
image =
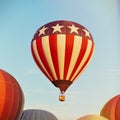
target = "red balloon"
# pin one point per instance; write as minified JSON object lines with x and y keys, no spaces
{"x":11,"y":97}
{"x":62,"y":50}
{"x":111,"y":109}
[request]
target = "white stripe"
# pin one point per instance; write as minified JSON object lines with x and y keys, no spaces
{"x":75,"y":54}
{"x":61,"y":41}
{"x":84,"y":58}
{"x":38,"y":58}
{"x":46,"y":49}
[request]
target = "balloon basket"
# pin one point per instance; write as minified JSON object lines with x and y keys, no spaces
{"x":62,"y":96}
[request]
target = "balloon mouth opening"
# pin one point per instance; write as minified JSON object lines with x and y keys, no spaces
{"x":62,"y":84}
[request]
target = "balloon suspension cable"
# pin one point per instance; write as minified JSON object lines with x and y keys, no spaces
{"x":62,"y":96}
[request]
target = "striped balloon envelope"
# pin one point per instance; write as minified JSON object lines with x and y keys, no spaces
{"x":36,"y":114}
{"x":62,"y":50}
{"x":111,"y":109}
{"x":92,"y":117}
{"x":11,"y":97}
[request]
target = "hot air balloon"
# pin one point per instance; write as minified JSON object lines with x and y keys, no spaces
{"x":92,"y":117}
{"x":11,"y":97}
{"x":62,"y":50}
{"x":36,"y":114}
{"x":111,"y":109}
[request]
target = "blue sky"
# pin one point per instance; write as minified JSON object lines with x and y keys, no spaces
{"x":19,"y":20}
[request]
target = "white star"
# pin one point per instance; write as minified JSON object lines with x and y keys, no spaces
{"x":57,"y":28}
{"x":86,"y":33}
{"x":73,"y":29}
{"x":42,"y":31}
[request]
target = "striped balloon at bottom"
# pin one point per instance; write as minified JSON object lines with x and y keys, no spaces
{"x":11,"y":97}
{"x":92,"y":117}
{"x":111,"y":109}
{"x":36,"y":114}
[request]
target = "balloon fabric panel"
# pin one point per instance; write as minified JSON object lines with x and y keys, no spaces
{"x":12,"y":99}
{"x":68,"y":53}
{"x":36,"y":114}
{"x":85,"y":59}
{"x":38,"y":60}
{"x":111,"y":109}
{"x":2,"y":93}
{"x":54,"y":73}
{"x":81,"y":54}
{"x":92,"y":117}
{"x":54,"y":55}
{"x":42,"y":56}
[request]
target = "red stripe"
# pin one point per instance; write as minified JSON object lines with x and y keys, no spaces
{"x":37,"y":62}
{"x":111,"y":109}
{"x":11,"y":102}
{"x":6,"y":115}
{"x":81,"y":55}
{"x":117,"y":109}
{"x":42,"y":56}
{"x":85,"y":62}
{"x":54,"y":53}
{"x":68,"y":53}
{"x":18,"y":100}
{"x":15,"y":101}
{"x":2,"y":92}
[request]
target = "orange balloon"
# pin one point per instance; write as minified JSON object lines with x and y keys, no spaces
{"x":92,"y":117}
{"x":111,"y":109}
{"x":11,"y":97}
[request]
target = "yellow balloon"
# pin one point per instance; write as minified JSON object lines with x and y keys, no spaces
{"x":92,"y":117}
